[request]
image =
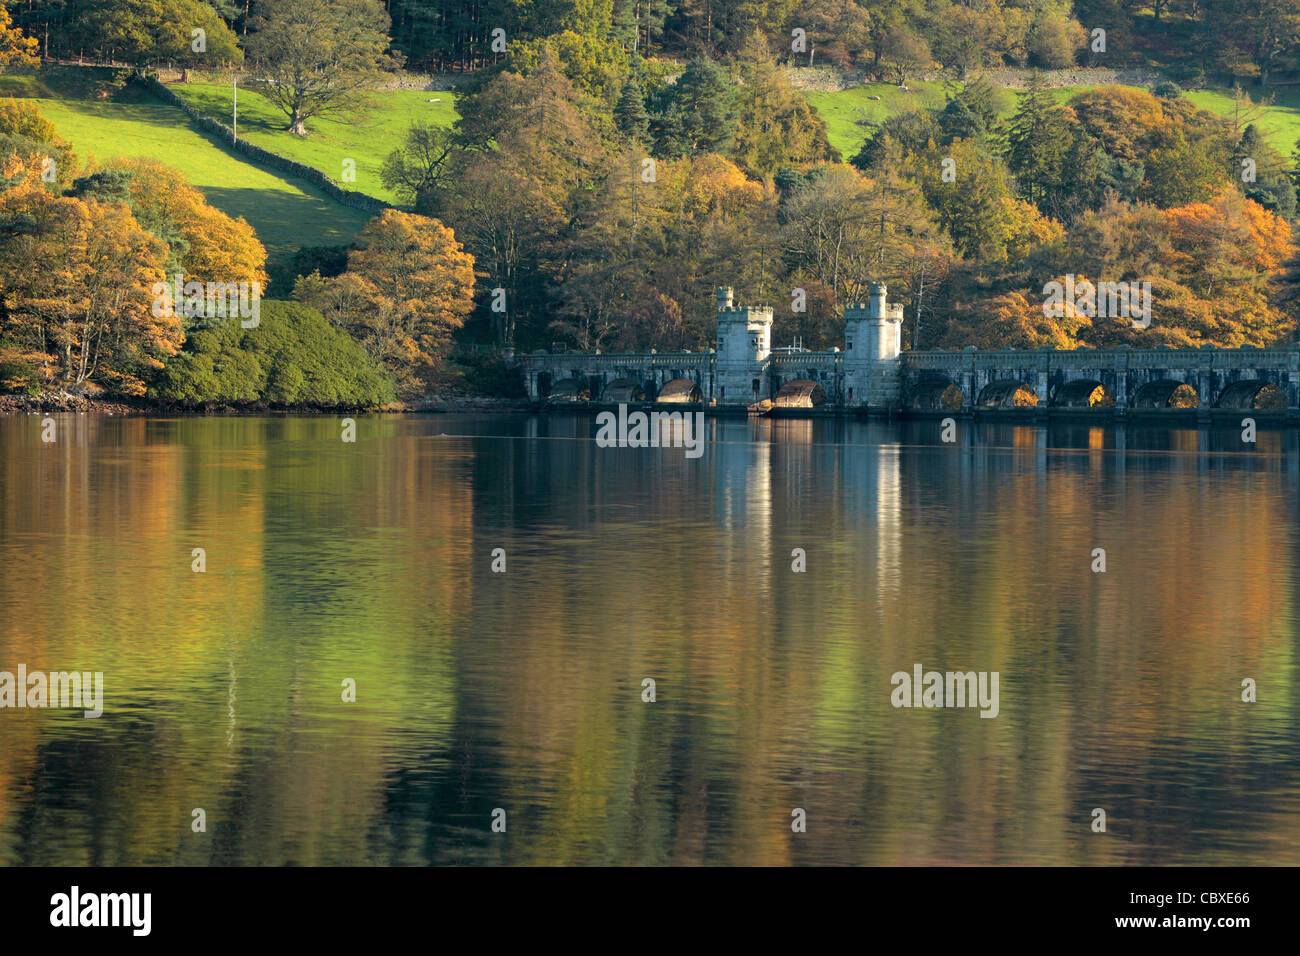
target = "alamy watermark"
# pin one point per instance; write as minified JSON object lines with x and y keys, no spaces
{"x":209,"y":299}
{"x":1121,"y":300}
{"x":946,"y":689}
{"x":76,"y":909}
{"x":68,"y":690}
{"x":651,"y":430}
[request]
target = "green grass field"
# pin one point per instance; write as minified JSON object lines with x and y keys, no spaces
{"x":843,"y":111}
{"x":286,"y":213}
{"x":366,"y":138}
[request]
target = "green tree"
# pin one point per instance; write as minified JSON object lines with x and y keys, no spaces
{"x":416,"y":169}
{"x":630,"y":114}
{"x":316,"y":57}
{"x":697,"y":114}
{"x":1038,"y":139}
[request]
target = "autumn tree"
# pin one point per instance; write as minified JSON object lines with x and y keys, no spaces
{"x":78,"y":279}
{"x":408,"y":287}
{"x":15,"y":48}
{"x":24,"y":132}
{"x":205,"y":244}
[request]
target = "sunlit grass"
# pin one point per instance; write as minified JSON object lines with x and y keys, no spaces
{"x":101,"y":124}
{"x":366,"y":138}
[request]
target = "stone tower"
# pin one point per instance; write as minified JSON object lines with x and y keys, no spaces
{"x":872,"y":342}
{"x":744,"y":344}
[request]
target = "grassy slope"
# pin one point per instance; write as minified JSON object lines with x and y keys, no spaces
{"x":287,"y":213}
{"x":367,"y":138}
{"x":1280,"y":121}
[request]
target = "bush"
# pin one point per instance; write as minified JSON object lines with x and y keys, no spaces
{"x":292,"y":357}
{"x":1168,"y":90}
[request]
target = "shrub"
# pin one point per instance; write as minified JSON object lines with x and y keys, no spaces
{"x":292,"y":357}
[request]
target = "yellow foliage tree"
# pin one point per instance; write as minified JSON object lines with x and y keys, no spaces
{"x":406,"y":290}
{"x":14,"y":47}
{"x":77,"y":279}
{"x":220,"y":248}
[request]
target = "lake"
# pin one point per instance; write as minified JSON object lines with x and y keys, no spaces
{"x":495,"y":592}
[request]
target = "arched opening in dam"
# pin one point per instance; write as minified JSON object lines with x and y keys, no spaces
{"x":1166,"y":393}
{"x":1250,"y":394}
{"x":623,"y":390}
{"x":568,"y":391}
{"x":1084,"y":393}
{"x":1008,"y":393}
{"x":800,"y":393}
{"x":937,"y":396}
{"x":680,"y":391}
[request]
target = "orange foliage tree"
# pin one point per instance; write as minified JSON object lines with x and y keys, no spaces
{"x":406,"y":290}
{"x":77,"y":278}
{"x":217,"y":247}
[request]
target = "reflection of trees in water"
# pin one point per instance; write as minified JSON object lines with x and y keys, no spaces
{"x":523,"y":690}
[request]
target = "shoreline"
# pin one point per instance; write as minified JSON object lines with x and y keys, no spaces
{"x":81,"y":405}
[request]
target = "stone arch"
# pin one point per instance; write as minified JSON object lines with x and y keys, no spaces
{"x":679,"y":391}
{"x":1159,"y":393}
{"x":624,"y":390}
{"x":1003,"y":394}
{"x":569,"y":390}
{"x":1079,"y":393}
{"x":1242,"y":393}
{"x":800,"y":393}
{"x":937,"y":395}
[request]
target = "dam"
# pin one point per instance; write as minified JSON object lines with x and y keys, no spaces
{"x":872,"y":373}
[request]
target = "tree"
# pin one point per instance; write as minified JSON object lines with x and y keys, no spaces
{"x":185,"y":32}
{"x":292,"y":357}
{"x":88,"y":310}
{"x":775,"y":125}
{"x":416,"y":169}
{"x":408,"y":287}
{"x":24,"y":132}
{"x":986,"y":222}
{"x":697,"y":114}
{"x":1037,"y":141}
{"x":906,"y":53}
{"x":14,"y":47}
{"x":207,"y":245}
{"x":317,"y":57}
{"x":630,"y":114}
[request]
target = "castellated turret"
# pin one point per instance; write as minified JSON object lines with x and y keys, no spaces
{"x":744,"y":344}
{"x":873,"y":329}
{"x":873,"y":332}
{"x":744,"y":332}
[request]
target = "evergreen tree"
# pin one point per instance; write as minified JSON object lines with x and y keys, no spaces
{"x":698,"y":113}
{"x":1037,"y":141}
{"x":630,"y":114}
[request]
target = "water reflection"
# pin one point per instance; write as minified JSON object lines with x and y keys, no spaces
{"x":372,"y":562}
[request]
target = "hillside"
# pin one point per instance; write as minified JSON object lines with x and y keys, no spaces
{"x":103,"y":120}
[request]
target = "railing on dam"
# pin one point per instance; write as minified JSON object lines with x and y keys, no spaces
{"x":1205,"y":357}
{"x":583,"y":360}
{"x":787,"y":360}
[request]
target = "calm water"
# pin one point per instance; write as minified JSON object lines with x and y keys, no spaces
{"x":477,"y":690}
